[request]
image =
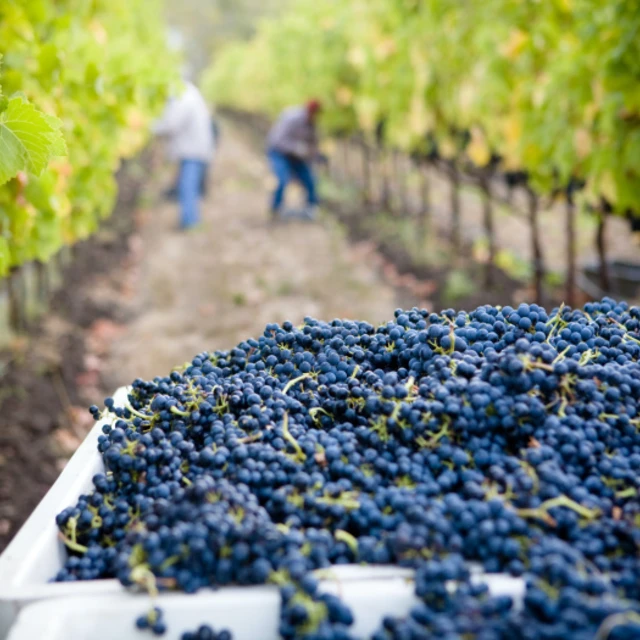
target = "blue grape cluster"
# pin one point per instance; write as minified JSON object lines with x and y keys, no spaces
{"x":153,"y":621}
{"x":453,"y":607}
{"x":307,"y":613}
{"x":205,"y":632}
{"x":505,"y":437}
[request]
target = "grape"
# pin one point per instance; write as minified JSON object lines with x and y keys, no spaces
{"x":153,"y":620}
{"x":505,"y":436}
{"x":205,"y":632}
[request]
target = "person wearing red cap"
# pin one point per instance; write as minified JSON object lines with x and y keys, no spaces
{"x":292,"y":145}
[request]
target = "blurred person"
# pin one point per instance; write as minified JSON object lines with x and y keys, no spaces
{"x":186,"y":123}
{"x":292,"y":145}
{"x":172,"y":192}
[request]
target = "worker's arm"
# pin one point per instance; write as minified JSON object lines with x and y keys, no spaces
{"x":314,"y":144}
{"x":173,"y":118}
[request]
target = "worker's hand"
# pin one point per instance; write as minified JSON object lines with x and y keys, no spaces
{"x":300,"y":150}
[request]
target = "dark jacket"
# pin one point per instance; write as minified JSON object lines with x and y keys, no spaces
{"x":294,"y":134}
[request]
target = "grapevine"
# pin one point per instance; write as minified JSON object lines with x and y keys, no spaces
{"x":548,"y":89}
{"x":92,"y":73}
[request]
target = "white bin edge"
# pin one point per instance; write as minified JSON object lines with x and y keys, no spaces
{"x":251,"y":613}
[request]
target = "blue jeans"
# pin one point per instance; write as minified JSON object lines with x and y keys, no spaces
{"x":287,"y":168}
{"x":189,"y":182}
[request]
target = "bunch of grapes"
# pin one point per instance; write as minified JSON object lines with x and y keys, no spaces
{"x":505,"y":437}
{"x":205,"y":632}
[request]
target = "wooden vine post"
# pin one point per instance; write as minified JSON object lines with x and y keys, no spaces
{"x":571,"y":248}
{"x":601,"y":245}
{"x":16,"y":295}
{"x":366,"y":173}
{"x":43,"y":286}
{"x":382,"y":167}
{"x":385,"y":195}
{"x":346,"y":168}
{"x":536,"y":246}
{"x":332,"y":165}
{"x":456,"y":237}
{"x":424,"y":213}
{"x":355,"y":147}
{"x":510,"y":190}
{"x":487,"y":216}
{"x":400,"y":176}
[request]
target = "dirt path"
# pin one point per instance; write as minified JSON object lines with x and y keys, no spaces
{"x":213,"y":287}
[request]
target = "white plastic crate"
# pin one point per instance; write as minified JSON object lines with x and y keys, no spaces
{"x":36,"y":554}
{"x":251,"y":613}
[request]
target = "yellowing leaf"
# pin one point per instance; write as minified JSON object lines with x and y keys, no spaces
{"x":512,"y":131}
{"x":385,"y":48}
{"x":590,"y":112}
{"x":478,"y":149}
{"x":367,"y":113}
{"x":514,"y":46}
{"x":598,"y":91}
{"x":344,"y":96}
{"x":420,"y":119}
{"x":327,"y":23}
{"x":357,"y":56}
{"x":466,"y":95}
{"x":135,"y":119}
{"x":447,"y":148}
{"x":98,"y":32}
{"x":607,"y":186}
{"x":539,"y":91}
{"x":582,"y":142}
{"x":420,"y":67}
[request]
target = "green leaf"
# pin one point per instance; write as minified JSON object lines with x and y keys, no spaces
{"x":28,"y":139}
{"x":48,"y":59}
{"x":58,"y":145}
{"x":5,"y":256}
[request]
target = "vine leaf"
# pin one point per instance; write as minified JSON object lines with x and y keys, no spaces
{"x":28,"y":139}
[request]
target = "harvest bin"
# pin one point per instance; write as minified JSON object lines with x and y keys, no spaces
{"x":100,"y":609}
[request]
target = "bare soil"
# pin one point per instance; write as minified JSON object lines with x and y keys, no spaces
{"x":49,"y":377}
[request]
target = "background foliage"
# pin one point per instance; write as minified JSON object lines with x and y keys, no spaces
{"x":550,"y":87}
{"x":92,"y":72}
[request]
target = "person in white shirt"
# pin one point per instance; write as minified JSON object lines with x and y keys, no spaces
{"x":186,"y":123}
